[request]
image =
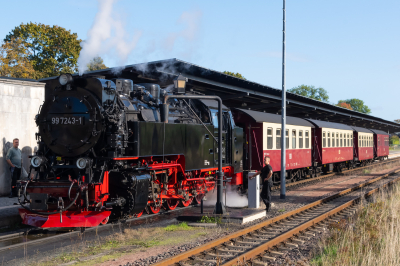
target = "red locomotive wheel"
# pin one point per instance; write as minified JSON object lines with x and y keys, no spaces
{"x":154,"y":209}
{"x":171,"y":204}
{"x":137,"y":215}
{"x":198,"y":198}
{"x":186,"y":203}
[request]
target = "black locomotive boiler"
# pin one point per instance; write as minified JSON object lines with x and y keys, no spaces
{"x":104,"y":152}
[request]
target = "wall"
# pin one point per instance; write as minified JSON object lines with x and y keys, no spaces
{"x":19,"y":103}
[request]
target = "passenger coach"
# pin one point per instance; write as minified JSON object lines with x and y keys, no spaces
{"x":263,"y":138}
{"x":332,"y":146}
{"x":381,"y":144}
{"x":363,"y":145}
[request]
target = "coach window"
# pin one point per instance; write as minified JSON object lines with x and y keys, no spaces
{"x":287,"y":138}
{"x":351,"y":140}
{"x":307,"y":140}
{"x":293,"y":139}
{"x":348,"y":140}
{"x":337,"y":139}
{"x":269,"y":138}
{"x":379,"y":140}
{"x":329,"y":139}
{"x":278,"y":139}
{"x":323,"y":140}
{"x":341,"y":140}
{"x":300,"y":139}
{"x":333,"y":139}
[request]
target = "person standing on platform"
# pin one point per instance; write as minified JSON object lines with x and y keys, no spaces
{"x":14,"y":159}
{"x":266,"y":178}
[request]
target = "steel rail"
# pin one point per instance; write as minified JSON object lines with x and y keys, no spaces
{"x":250,"y":254}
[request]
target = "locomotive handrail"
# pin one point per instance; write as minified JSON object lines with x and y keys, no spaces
{"x":219,"y":208}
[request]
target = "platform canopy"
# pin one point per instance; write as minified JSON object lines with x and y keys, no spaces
{"x":244,"y":94}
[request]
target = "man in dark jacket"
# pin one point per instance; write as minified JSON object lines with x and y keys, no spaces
{"x":14,"y":159}
{"x":266,"y":179}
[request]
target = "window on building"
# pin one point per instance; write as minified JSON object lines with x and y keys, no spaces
{"x":300,"y":139}
{"x":269,"y":138}
{"x":287,"y":138}
{"x":341,"y":140}
{"x":337,"y":139}
{"x":307,"y":139}
{"x":293,"y":139}
{"x":323,"y":139}
{"x":329,"y":139}
{"x":278,"y":138}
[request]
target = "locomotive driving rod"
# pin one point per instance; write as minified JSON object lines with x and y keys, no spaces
{"x":219,"y":207}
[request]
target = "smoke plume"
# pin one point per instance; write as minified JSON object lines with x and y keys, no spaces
{"x":107,"y":36}
{"x":233,"y":198}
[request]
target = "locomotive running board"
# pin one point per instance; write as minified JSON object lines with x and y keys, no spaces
{"x":68,"y":219}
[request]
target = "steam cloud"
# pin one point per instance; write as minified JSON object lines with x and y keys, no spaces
{"x":106,"y":36}
{"x":233,"y":199}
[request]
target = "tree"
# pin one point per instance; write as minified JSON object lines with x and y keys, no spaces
{"x":319,"y":94}
{"x":238,"y":75}
{"x":14,"y":61}
{"x":357,"y":105}
{"x":397,"y":121}
{"x":52,"y":49}
{"x":394,"y":140}
{"x":344,"y":105}
{"x":96,"y":64}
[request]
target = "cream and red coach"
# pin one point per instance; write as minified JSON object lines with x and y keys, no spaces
{"x":363,"y":145}
{"x":332,"y":146}
{"x":263,"y":138}
{"x":381,"y":144}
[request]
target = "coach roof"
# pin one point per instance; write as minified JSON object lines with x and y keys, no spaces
{"x":325,"y":124}
{"x":273,"y":118}
{"x":377,"y":131}
{"x":361,"y":129}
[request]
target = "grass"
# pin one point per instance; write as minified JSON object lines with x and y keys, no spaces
{"x":210,"y":219}
{"x":128,"y":241}
{"x":373,"y":238}
{"x":178,"y":227}
{"x":282,"y":210}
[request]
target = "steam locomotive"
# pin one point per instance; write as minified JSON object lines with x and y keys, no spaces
{"x":108,"y":149}
{"x":105,"y":153}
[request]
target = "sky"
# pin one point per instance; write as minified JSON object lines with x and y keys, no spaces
{"x":349,"y":48}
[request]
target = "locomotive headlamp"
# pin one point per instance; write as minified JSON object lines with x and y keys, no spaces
{"x":180,"y":84}
{"x":81,"y":163}
{"x":65,"y":79}
{"x":36,"y":161}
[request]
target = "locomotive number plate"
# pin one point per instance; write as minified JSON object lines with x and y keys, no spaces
{"x":69,"y":120}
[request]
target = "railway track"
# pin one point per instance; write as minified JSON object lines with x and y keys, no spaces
{"x":331,"y":175}
{"x":264,"y":242}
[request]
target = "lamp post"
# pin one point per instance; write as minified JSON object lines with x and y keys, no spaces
{"x":283,"y":113}
{"x":180,"y":90}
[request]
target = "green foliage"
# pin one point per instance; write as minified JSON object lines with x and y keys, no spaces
{"x":206,"y":219}
{"x":178,"y":227}
{"x":357,"y":105}
{"x":52,"y":49}
{"x":394,"y":140}
{"x":96,"y":64}
{"x":238,"y":75}
{"x":319,"y":94}
{"x":14,"y":60}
